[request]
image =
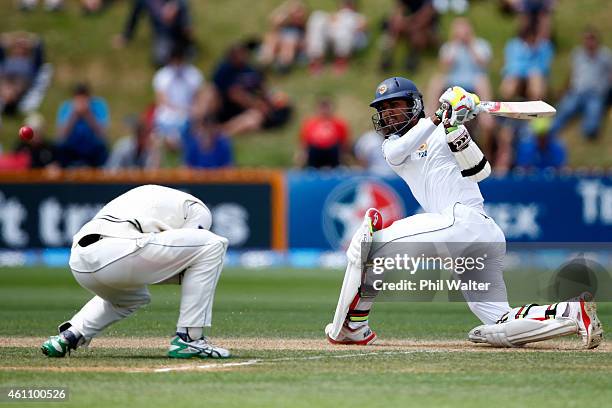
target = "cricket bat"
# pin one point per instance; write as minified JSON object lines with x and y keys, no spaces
{"x":518,"y":110}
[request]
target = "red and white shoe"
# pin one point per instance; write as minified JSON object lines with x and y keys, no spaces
{"x":361,"y":336}
{"x":584,"y":310}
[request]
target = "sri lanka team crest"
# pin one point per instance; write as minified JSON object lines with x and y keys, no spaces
{"x":346,"y":205}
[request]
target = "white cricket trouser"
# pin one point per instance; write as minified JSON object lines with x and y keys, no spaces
{"x":121,"y":286}
{"x":458,"y":224}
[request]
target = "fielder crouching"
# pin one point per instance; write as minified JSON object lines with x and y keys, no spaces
{"x":145,"y":236}
{"x":442,"y":166}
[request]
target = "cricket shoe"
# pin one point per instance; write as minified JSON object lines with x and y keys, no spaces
{"x":182,"y":346}
{"x":361,"y":336}
{"x":584,"y":310}
{"x":476,"y":335}
{"x":58,"y":346}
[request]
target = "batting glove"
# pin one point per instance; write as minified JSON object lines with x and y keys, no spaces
{"x":462,"y":105}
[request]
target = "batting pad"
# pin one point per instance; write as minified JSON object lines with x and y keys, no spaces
{"x":522,"y":331}
{"x":350,"y":287}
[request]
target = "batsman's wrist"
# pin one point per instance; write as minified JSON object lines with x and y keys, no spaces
{"x":449,"y":128}
{"x":439,"y":116}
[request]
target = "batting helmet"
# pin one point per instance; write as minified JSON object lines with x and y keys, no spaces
{"x":395,"y":88}
{"x":397,"y":121}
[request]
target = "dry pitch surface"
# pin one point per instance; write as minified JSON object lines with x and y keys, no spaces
{"x":244,"y":348}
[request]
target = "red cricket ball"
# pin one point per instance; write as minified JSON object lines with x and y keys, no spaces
{"x":376,"y":217}
{"x":26,"y":133}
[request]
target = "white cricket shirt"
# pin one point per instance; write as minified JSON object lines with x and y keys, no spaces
{"x":423,"y":159}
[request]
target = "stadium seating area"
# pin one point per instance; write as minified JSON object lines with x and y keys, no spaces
{"x":149,"y":84}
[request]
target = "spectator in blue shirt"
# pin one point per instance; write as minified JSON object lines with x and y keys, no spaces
{"x":590,"y":82}
{"x":527,"y":65}
{"x":81,"y":124}
{"x":538,"y":148}
{"x":205,"y":146}
{"x":170,"y":24}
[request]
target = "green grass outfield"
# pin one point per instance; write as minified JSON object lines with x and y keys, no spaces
{"x":274,"y":321}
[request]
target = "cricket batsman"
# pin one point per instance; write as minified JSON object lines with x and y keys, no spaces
{"x":145,"y":236}
{"x":442,"y":166}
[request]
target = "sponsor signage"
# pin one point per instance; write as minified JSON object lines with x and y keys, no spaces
{"x":325,"y":208}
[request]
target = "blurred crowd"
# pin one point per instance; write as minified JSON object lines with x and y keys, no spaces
{"x":198,"y":119}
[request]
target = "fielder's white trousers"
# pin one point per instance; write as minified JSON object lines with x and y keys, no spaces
{"x":458,"y":224}
{"x":121,"y":285}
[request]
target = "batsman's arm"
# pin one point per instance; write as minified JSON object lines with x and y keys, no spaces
{"x":471,"y":160}
{"x":398,"y":149}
